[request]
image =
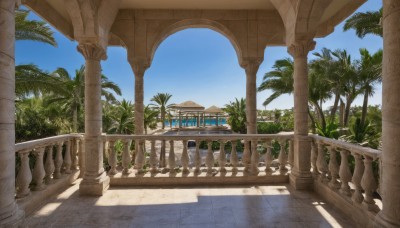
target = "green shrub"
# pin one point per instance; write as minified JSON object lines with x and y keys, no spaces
{"x":268,"y":128}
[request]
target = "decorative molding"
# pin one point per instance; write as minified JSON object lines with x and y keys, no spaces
{"x":301,"y":48}
{"x":92,"y":51}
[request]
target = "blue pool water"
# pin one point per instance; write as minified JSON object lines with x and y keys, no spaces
{"x":192,"y":122}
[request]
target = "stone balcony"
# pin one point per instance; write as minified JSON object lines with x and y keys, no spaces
{"x":190,"y":186}
{"x":239,"y":206}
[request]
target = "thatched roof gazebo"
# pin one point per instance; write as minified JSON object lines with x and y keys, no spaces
{"x":188,"y":106}
{"x":214,"y":110}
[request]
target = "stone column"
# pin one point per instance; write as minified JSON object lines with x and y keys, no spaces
{"x":180,"y":119}
{"x":139,"y":69}
{"x":10,"y":215}
{"x":251,"y":66}
{"x":198,"y":120}
{"x":216,"y":119}
{"x":300,"y":177}
{"x":389,"y":216}
{"x":95,"y":180}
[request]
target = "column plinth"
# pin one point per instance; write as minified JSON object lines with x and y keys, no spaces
{"x":95,"y":181}
{"x":300,"y":177}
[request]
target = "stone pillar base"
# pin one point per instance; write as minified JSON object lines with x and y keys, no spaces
{"x":381,"y":221}
{"x":94,"y":188}
{"x":301,"y":182}
{"x":17,"y":220}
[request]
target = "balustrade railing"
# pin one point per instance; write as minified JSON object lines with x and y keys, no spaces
{"x":209,"y":154}
{"x":41,"y":162}
{"x":348,"y":169}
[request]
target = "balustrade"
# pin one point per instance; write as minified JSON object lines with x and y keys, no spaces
{"x":47,"y":168}
{"x":216,"y":153}
{"x":356,"y":172}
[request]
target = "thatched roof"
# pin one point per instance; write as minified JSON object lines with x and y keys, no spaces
{"x":214,"y":109}
{"x":189,"y":106}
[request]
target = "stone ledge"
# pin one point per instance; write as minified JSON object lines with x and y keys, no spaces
{"x":191,"y":180}
{"x":37,"y":198}
{"x":358,"y":215}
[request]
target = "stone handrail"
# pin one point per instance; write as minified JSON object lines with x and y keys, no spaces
{"x":339,"y":176}
{"x":250,"y":158}
{"x":47,"y":168}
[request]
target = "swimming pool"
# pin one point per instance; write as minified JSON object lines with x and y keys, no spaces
{"x":198,"y":132}
{"x":192,"y":122}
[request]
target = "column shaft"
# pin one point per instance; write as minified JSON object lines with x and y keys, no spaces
{"x":9,"y":212}
{"x":251,"y":67}
{"x":300,"y":177}
{"x":95,"y":181}
{"x":390,"y":182}
{"x":139,"y":105}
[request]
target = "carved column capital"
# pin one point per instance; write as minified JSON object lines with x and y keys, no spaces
{"x":301,"y":48}
{"x":92,"y":51}
{"x":251,"y":65}
{"x":139,"y":66}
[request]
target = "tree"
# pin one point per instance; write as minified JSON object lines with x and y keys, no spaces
{"x":122,"y":117}
{"x":161,"y":101}
{"x":150,"y":118}
{"x":71,"y":99}
{"x":365,"y":23}
{"x":370,"y":74}
{"x":237,"y":115}
{"x":280,"y":80}
{"x":31,"y":29}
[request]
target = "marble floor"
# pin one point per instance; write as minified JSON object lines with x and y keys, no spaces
{"x":241,"y":206}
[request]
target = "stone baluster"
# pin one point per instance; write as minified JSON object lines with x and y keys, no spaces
{"x":197,"y":158}
{"x":246,"y":157}
{"x":291,"y":154}
{"x":333,"y":168}
{"x":314,"y":155}
{"x":58,"y":160}
{"x":282,"y":156}
{"x":153,"y":157}
{"x":209,"y":158}
{"x":369,"y":185}
{"x":255,"y":158}
{"x":268,"y":157}
{"x":126,"y":157}
{"x":234,"y":157}
{"x":171,"y":157}
{"x":81,"y":155}
{"x":112,"y":158}
{"x":162,"y":154}
{"x":345,"y":174}
{"x":321,"y":162}
{"x":49,"y":165}
{"x":357,"y":176}
{"x":38,"y":171}
{"x":75,"y":152}
{"x":185,"y":157}
{"x":67,"y":157}
{"x":222,"y":157}
{"x":24,"y":176}
{"x":140,"y":158}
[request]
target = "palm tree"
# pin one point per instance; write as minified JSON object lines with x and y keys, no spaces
{"x":150,"y":118}
{"x":370,"y":74}
{"x":72,"y":98}
{"x":237,"y":115}
{"x":280,"y":80}
{"x":29,"y":79}
{"x":123,"y":118}
{"x":161,"y":101}
{"x":31,"y":29}
{"x":365,"y":23}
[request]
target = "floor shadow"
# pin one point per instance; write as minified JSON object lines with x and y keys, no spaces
{"x":233,"y":206}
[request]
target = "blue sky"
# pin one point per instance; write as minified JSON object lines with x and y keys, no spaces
{"x":193,"y":64}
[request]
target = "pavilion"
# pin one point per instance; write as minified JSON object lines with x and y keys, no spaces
{"x":252,"y":25}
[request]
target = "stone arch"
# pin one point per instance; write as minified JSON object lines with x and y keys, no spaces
{"x":196,"y":23}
